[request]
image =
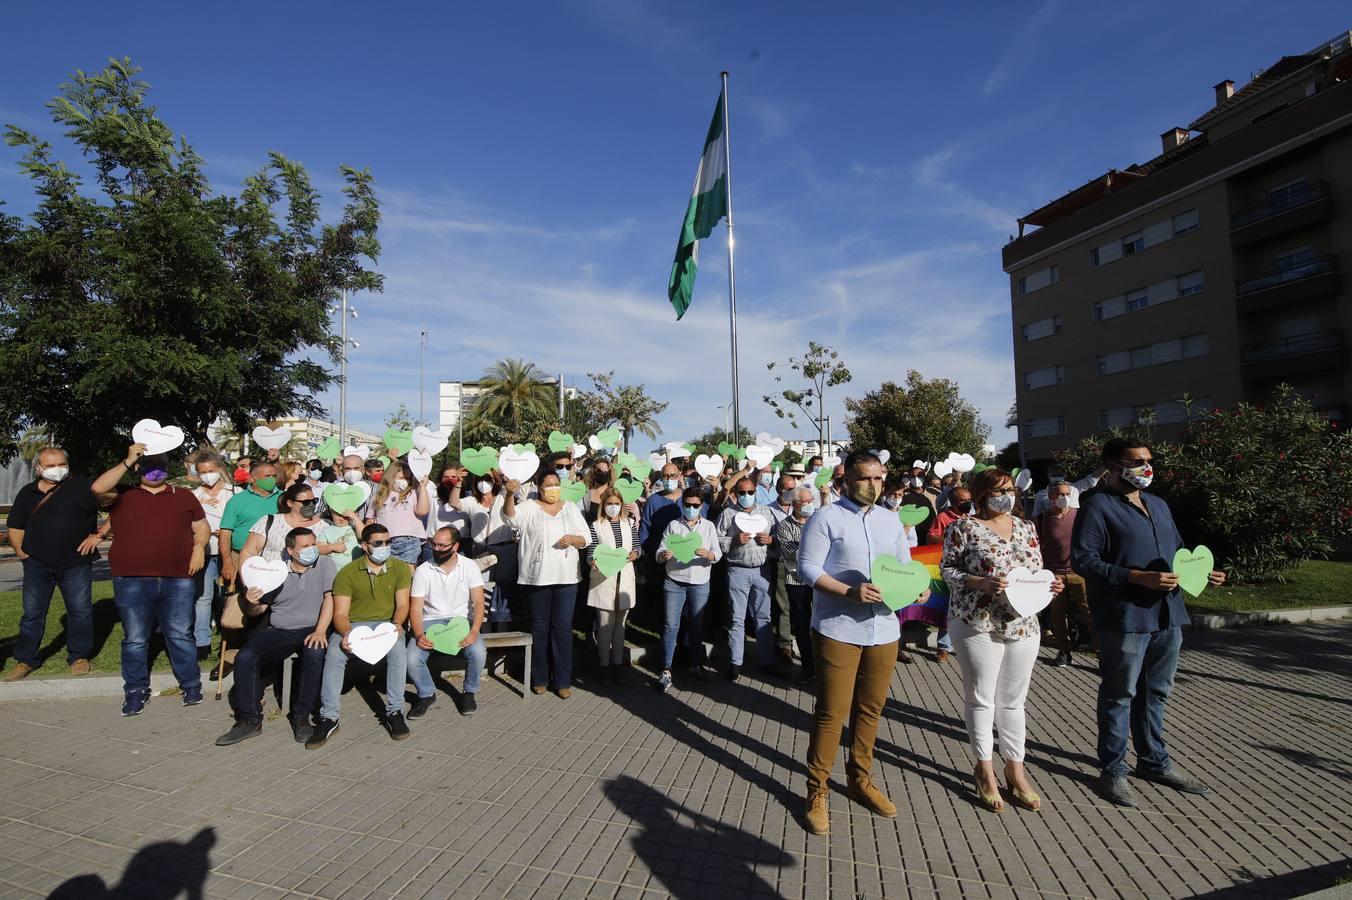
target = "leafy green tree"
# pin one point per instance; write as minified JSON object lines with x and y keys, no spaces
{"x":513,"y":390}
{"x":708,"y":442}
{"x":146,"y":294}
{"x":402,"y":419}
{"x":821,"y":368}
{"x":921,"y":419}
{"x":628,"y":406}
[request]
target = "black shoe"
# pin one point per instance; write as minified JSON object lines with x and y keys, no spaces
{"x":216,"y":674}
{"x":395,"y":723}
{"x":698,"y":675}
{"x":1176,"y":779}
{"x":301,"y":729}
{"x":134,"y":701}
{"x":468,"y":705}
{"x":192,"y":696}
{"x":805,"y":677}
{"x":243,"y":730}
{"x":1062,"y":660}
{"x":420,"y":707}
{"x":204,"y":653}
{"x":734,"y":672}
{"x":617,"y":676}
{"x":1117,"y":790}
{"x":323,"y":730}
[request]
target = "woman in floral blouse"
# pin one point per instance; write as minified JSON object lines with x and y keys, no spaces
{"x":995,"y":646}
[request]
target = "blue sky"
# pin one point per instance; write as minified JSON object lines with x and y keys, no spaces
{"x":533,"y":166}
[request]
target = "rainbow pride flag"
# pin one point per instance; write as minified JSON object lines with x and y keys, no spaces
{"x":933,"y":611}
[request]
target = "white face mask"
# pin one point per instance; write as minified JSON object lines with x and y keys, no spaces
{"x":1063,"y":502}
{"x":56,"y":473}
{"x":485,"y":487}
{"x":210,"y":478}
{"x":401,"y":484}
{"x":352,"y":476}
{"x":316,"y":474}
{"x":613,"y":510}
{"x":1000,"y":504}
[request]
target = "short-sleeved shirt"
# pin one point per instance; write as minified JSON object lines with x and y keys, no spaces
{"x":68,"y":517}
{"x":214,"y":507}
{"x":446,"y":593}
{"x":372,"y":593}
{"x":297,"y":603}
{"x":243,"y":510}
{"x":152,"y":532}
{"x":274,"y":535}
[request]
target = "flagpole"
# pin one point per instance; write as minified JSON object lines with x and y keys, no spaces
{"x":732,"y":280}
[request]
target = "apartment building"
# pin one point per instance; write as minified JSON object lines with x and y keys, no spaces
{"x":1205,"y":276}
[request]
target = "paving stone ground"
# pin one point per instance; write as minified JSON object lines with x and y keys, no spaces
{"x":622,"y":792}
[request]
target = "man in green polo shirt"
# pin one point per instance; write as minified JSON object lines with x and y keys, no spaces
{"x":367,"y":591}
{"x":243,"y":510}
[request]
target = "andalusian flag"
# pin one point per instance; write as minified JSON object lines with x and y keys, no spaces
{"x":708,"y":204}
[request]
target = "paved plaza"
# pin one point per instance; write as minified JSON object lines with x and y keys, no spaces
{"x":622,"y":792}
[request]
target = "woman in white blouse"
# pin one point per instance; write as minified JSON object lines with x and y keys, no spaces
{"x":489,"y":530}
{"x":612,"y":596}
{"x":550,"y":533}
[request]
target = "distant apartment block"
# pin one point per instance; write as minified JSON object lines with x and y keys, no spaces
{"x":1214,"y":270}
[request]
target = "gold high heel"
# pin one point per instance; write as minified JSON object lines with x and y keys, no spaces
{"x":1029,"y":800}
{"x":993,"y":802}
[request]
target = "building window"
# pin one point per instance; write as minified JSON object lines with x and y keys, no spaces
{"x":1295,"y":259}
{"x":1167,"y":412}
{"x":1046,"y":377}
{"x":1133,"y":243}
{"x":1185,"y":222}
{"x":1039,"y":280}
{"x":1154,"y":295}
{"x":1283,"y":193}
{"x":1172,"y":350}
{"x":1042,"y":328}
{"x":1190,"y":284}
{"x":1044,"y":427}
{"x":1137,"y":299}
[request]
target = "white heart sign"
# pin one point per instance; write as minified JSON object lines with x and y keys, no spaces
{"x":420,"y":462}
{"x":271,"y":438}
{"x":676,"y":451}
{"x":963,"y":462}
{"x":579,"y":451}
{"x":1029,"y":592}
{"x":831,"y":462}
{"x":883,"y":455}
{"x":919,"y":464}
{"x":157,"y":438}
{"x":1023,"y":480}
{"x":429,"y":441}
{"x":942,"y":469}
{"x":370,"y":645}
{"x":764,"y":439}
{"x":262,"y":574}
{"x":709,"y":466}
{"x":657,"y":460}
{"x":358,"y":450}
{"x":593,"y":443}
{"x":750,"y":523}
{"x":518,"y":466}
{"x":760,"y":455}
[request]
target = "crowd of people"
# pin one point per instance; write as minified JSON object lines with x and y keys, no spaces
{"x":325,"y":560}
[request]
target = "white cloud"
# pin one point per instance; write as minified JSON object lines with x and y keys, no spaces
{"x":1020,"y":47}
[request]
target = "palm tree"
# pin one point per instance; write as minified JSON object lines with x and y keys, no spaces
{"x":33,"y":440}
{"x":636,"y":411}
{"x":513,"y":388}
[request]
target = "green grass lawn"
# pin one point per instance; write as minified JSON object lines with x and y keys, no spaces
{"x":1314,"y":583}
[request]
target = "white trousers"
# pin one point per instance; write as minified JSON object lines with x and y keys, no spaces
{"x":610,"y":635}
{"x":995,"y":675}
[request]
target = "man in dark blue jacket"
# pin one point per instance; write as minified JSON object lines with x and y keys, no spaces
{"x":1123,"y":546}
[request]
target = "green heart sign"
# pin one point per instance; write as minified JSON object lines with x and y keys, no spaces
{"x":343,"y":498}
{"x":629,"y":489}
{"x":1193,"y":567}
{"x":524,"y":448}
{"x":689,"y":447}
{"x":446,"y":636}
{"x":572,"y":491}
{"x":901,"y":583}
{"x":683,"y":546}
{"x":641,"y":470}
{"x":725,"y":449}
{"x":823,"y":477}
{"x":912,"y":515}
{"x":626,"y":461}
{"x":384,"y":461}
{"x":980,"y":467}
{"x":559,"y":442}
{"x":480,"y":461}
{"x":777,"y":466}
{"x":398,"y":440}
{"x":329,"y":450}
{"x":610,"y":560}
{"x":609,"y":437}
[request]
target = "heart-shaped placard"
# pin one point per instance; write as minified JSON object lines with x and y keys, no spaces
{"x":579,"y":451}
{"x":518,"y":465}
{"x":156,"y":437}
{"x":760,"y":455}
{"x":1193,"y":568}
{"x":823,"y":477}
{"x":676,"y":451}
{"x":883,"y":455}
{"x":657,"y":459}
{"x":912,"y":514}
{"x":708,"y":466}
{"x":258,"y":572}
{"x":725,"y":449}
{"x":920,"y":464}
{"x":1023,"y":479}
{"x":1029,"y":592}
{"x":359,"y":450}
{"x":446,"y":636}
{"x":481,"y":461}
{"x":765,"y":440}
{"x":572,"y":491}
{"x":429,"y":441}
{"x":420,"y":463}
{"x":328,"y":450}
{"x":395,"y":439}
{"x":610,"y":560}
{"x":560,"y":442}
{"x":962,"y":462}
{"x":626,"y":460}
{"x":384,"y":461}
{"x":640,"y":471}
{"x":271,"y":438}
{"x":750,"y":523}
{"x":371,"y":645}
{"x":942,"y":468}
{"x":630,"y":490}
{"x":344,"y":498}
{"x":683,"y":546}
{"x":901,"y":583}
{"x":524,"y":448}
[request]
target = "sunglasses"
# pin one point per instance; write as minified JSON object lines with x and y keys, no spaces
{"x":379,"y":543}
{"x":694,"y":506}
{"x":746,"y":493}
{"x":439,"y":546}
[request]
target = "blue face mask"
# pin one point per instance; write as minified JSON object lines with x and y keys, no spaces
{"x":672,"y":484}
{"x":307,"y":556}
{"x":746,"y":501}
{"x":767,"y":478}
{"x":690,"y":512}
{"x":807,"y":509}
{"x":564,"y":474}
{"x":379,"y":554}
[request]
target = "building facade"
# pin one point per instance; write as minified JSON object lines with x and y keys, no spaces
{"x":1206,"y":276}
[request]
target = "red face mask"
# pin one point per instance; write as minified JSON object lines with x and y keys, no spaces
{"x":375,"y":475}
{"x":241,"y":475}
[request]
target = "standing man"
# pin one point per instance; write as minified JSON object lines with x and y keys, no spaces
{"x":661,"y":508}
{"x":446,"y":587}
{"x":160,"y":536}
{"x":781,"y":614}
{"x":53,"y":529}
{"x":1123,"y":545}
{"x":854,"y":634}
{"x":1056,"y":475}
{"x":788,"y":536}
{"x":1054,"y":529}
{"x":747,"y":555}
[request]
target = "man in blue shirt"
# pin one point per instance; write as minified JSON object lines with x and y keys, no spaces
{"x":1123,"y":546}
{"x":854,"y":634}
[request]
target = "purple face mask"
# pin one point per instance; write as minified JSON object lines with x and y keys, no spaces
{"x":154,"y":476}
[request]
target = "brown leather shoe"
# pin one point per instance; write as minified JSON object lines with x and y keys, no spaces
{"x":817,"y":813}
{"x":565,"y":693}
{"x":941,"y":656}
{"x":19,"y":672}
{"x":538,"y":689}
{"x":80,"y":667}
{"x":903,"y":656}
{"x":865,"y":794}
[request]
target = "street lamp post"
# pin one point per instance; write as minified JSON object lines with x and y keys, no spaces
{"x":342,"y":374}
{"x":422,"y":348}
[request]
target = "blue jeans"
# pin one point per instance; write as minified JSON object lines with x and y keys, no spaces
{"x":407,"y":548}
{"x":268,"y":647}
{"x":476,"y":654}
{"x":749,"y":590}
{"x":39,"y":580}
{"x":800,"y":620}
{"x":943,"y":641}
{"x":1136,"y":673}
{"x":144,"y":601}
{"x":551,"y":627}
{"x":692,"y":599}
{"x":335,"y":667}
{"x":206,"y":601}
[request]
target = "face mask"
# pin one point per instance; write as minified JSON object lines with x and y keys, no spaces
{"x":613,"y":510}
{"x":806,"y":510}
{"x":550,"y":494}
{"x":1063,"y":502}
{"x":866,"y":494}
{"x":376,"y":475}
{"x":379,"y":554}
{"x":746,"y":501}
{"x":241,"y":475}
{"x":210,"y":478}
{"x":891,"y":502}
{"x":56,"y":473}
{"x":307,"y":509}
{"x":1139,"y":477}
{"x":601,"y":476}
{"x":564,"y":474}
{"x":767,"y":478}
{"x":401,"y":484}
{"x":265,"y":484}
{"x":352,"y":476}
{"x":691,"y":513}
{"x":1000,"y":504}
{"x":316,"y":474}
{"x":485,"y":487}
{"x":448,"y":481}
{"x":441,"y":556}
{"x":154,"y":476}
{"x":965,"y":508}
{"x":672,"y":484}
{"x":307,"y":556}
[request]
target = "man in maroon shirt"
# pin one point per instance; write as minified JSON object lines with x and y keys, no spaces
{"x":1054,"y":526}
{"x":160,"y":536}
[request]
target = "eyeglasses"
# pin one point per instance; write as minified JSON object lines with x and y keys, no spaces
{"x":379,"y":543}
{"x":1003,"y":492}
{"x":746,"y":493}
{"x":438,"y":546}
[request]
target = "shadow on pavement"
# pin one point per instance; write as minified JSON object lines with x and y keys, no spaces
{"x":157,"y":872}
{"x":1290,"y":884}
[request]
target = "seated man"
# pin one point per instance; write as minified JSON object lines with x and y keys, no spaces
{"x":367,"y":591}
{"x":302,"y":609}
{"x":448,"y":587}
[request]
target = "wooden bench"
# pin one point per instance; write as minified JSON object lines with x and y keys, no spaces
{"x":506,"y":640}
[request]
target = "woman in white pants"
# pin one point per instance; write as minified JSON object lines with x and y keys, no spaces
{"x":995,"y":646}
{"x":612,"y":596}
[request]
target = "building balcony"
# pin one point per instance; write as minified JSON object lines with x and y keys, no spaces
{"x":1317,"y":278}
{"x":1308,"y":206}
{"x":1315,"y":352}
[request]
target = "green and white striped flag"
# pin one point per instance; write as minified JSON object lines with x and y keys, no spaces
{"x":708,"y":204}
